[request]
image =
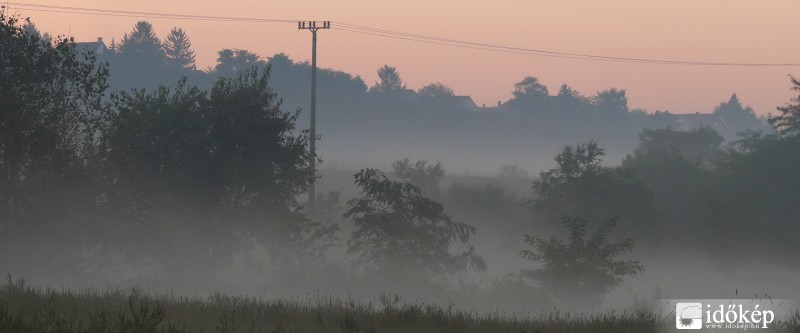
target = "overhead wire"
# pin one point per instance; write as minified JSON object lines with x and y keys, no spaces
{"x":110,"y":12}
{"x":495,"y":47}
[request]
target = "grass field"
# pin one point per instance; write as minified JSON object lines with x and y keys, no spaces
{"x":25,"y":308}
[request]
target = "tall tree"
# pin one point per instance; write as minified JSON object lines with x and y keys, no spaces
{"x":529,"y":95}
{"x":788,"y":122}
{"x":178,"y":49}
{"x":390,"y":80}
{"x":736,"y":116}
{"x":142,"y":45}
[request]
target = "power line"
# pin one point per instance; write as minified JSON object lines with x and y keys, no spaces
{"x":519,"y":50}
{"x":109,"y":12}
{"x":384,"y":33}
{"x":481,"y":48}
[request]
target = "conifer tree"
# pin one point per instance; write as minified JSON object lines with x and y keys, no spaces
{"x":179,"y":49}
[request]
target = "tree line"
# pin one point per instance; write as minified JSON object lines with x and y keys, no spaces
{"x":142,"y":60}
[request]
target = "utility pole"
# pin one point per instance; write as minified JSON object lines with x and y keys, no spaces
{"x":313,"y":26}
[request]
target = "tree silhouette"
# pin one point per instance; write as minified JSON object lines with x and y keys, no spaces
{"x":142,"y":45}
{"x":178,"y":49}
{"x":390,"y":80}
{"x":529,"y":95}
{"x":531,"y":88}
{"x":33,"y":31}
{"x":230,"y":62}
{"x":736,"y":116}
{"x":226,"y":162}
{"x":401,"y":233}
{"x":570,"y":100}
{"x":611,"y":102}
{"x":788,"y":122}
{"x":581,"y":269}
{"x":280,"y":60}
{"x":436,"y":90}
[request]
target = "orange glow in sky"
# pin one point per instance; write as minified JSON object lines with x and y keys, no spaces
{"x":709,"y":31}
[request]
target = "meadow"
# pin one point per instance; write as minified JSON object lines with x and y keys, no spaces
{"x":25,"y":308}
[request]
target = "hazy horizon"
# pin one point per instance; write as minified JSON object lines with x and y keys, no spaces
{"x":711,"y":31}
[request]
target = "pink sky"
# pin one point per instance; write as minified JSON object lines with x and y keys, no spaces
{"x":708,"y":30}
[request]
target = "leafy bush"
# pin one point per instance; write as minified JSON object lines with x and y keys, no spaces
{"x":582,"y":268}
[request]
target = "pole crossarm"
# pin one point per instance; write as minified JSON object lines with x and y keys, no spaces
{"x":313,"y":25}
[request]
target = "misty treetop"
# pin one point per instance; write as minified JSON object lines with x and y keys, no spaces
{"x":142,"y":45}
{"x":425,"y":176}
{"x":390,"y":81}
{"x":404,"y":234}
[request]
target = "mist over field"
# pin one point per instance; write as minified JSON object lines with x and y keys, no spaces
{"x":124,"y":166}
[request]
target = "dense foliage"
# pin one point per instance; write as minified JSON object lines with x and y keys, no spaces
{"x":581,"y":185}
{"x":583,"y":268}
{"x":401,"y":233}
{"x":49,"y":100}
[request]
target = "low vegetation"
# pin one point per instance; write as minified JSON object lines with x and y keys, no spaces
{"x":28,"y":309}
{"x":24,"y":308}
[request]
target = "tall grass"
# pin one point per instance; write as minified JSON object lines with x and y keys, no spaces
{"x":24,"y":308}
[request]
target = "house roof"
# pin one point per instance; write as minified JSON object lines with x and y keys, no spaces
{"x":98,"y":47}
{"x":688,"y":121}
{"x":465,"y":102}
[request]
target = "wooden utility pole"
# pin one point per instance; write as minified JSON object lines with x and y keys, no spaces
{"x":313,"y":26}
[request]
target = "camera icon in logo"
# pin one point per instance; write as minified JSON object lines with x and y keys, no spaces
{"x":689,"y":316}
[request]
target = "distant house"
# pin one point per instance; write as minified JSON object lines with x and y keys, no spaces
{"x":450,"y":102}
{"x":464,"y":102}
{"x":98,"y":47}
{"x":688,"y":121}
{"x":491,"y":108}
